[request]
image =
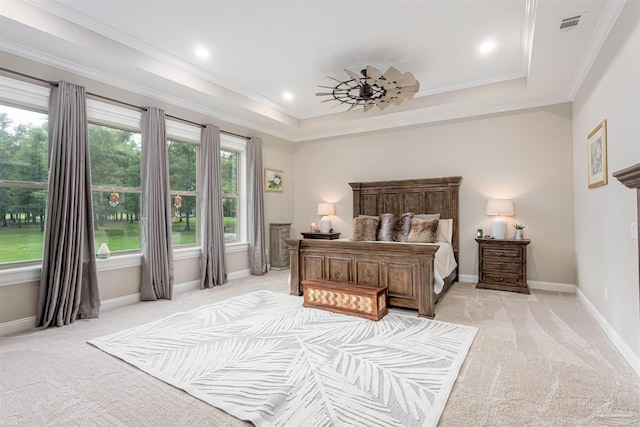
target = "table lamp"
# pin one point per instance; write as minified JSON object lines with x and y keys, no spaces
{"x":324,"y":210}
{"x":499,"y":207}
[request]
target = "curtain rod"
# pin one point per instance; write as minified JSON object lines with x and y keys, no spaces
{"x":50,"y":83}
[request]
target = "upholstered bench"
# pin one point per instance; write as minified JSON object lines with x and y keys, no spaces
{"x":346,"y":297}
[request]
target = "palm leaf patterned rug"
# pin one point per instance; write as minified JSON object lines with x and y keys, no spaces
{"x":264,"y":358}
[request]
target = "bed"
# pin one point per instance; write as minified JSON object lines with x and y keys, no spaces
{"x":407,"y":269}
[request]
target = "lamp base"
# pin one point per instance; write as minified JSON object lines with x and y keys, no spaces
{"x":499,"y":228}
{"x":325,"y":224}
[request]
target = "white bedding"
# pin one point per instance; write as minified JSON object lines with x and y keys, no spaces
{"x":444,"y":264}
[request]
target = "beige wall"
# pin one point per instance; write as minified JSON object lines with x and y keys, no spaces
{"x":524,"y":155}
{"x":279,"y":207}
{"x":606,"y":255}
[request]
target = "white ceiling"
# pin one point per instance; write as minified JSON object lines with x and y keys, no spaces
{"x":259,"y":49}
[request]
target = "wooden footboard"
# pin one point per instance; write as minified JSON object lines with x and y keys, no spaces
{"x":406,"y":269}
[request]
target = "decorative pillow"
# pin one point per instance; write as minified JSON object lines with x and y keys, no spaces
{"x":423,"y":230}
{"x":364,"y":228}
{"x":427,"y":216}
{"x":445,"y":230}
{"x":394,"y":228}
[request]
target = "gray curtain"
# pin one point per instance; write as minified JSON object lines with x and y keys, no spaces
{"x":68,"y":285}
{"x":255,"y":208}
{"x":213,"y":267}
{"x":155,"y":209}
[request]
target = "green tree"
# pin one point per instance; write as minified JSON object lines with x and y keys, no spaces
{"x":182,"y":176}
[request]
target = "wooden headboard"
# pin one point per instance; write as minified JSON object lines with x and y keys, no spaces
{"x":429,"y":195}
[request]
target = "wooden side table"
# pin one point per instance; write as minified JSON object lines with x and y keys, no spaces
{"x":320,"y":235}
{"x":502,"y":265}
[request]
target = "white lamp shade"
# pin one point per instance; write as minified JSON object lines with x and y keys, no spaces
{"x":502,"y":207}
{"x":326,"y":209}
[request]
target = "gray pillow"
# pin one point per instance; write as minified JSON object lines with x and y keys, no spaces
{"x":365,"y":228}
{"x":394,"y":227}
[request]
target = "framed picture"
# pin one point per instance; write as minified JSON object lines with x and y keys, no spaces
{"x":273,"y":180}
{"x":597,"y":154}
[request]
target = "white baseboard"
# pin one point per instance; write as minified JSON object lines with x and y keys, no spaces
{"x":27,"y":323}
{"x":238,"y":274}
{"x":533,"y":284}
{"x":467,"y":278}
{"x":552,"y":286}
{"x":632,"y":359}
{"x":19,"y":325}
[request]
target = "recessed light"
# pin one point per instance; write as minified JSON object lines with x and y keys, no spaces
{"x":202,"y":52}
{"x":487,"y":46}
{"x":287,"y":95}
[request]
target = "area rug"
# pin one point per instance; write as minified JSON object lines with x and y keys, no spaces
{"x":264,"y":358}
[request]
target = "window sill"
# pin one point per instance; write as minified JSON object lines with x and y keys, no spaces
{"x":31,"y":273}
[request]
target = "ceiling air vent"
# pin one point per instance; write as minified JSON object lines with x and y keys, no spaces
{"x":570,"y":23}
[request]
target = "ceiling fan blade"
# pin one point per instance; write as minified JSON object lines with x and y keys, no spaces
{"x":352,"y":107}
{"x":328,"y":99}
{"x":353,"y":75}
{"x":373,"y":73}
{"x":367,"y":106}
{"x":406,"y":79}
{"x":326,"y":87}
{"x":392,"y":74}
{"x":382,"y":104}
{"x":333,"y":78}
{"x":323,"y":93}
{"x":396,"y":100}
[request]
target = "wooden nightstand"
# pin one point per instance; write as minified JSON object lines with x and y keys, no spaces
{"x":502,"y":265}
{"x":319,"y":235}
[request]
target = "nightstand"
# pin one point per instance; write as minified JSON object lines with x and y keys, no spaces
{"x":502,"y":265}
{"x":319,"y":235}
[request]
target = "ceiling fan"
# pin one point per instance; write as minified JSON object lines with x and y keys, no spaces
{"x":373,"y":88}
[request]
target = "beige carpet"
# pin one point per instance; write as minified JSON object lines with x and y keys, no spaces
{"x":537,"y":360}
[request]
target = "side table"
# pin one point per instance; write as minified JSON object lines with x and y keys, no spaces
{"x":502,"y":264}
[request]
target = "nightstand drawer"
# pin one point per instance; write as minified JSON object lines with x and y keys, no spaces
{"x":514,"y":253}
{"x":506,"y":279}
{"x":500,"y":267}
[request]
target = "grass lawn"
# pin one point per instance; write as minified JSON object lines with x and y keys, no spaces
{"x":25,"y":243}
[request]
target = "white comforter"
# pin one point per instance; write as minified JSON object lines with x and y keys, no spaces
{"x":444,"y":263}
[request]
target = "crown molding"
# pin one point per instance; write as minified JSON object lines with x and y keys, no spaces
{"x":604,"y":26}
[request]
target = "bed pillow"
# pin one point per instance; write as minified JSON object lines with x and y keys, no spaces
{"x":423,"y":230}
{"x":365,"y":228}
{"x":394,"y":227}
{"x":427,"y":216}
{"x":445,"y":230}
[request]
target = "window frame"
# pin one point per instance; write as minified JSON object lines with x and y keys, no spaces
{"x":20,"y":94}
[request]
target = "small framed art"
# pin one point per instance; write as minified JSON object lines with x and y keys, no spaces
{"x":273,"y":180}
{"x":597,"y":155}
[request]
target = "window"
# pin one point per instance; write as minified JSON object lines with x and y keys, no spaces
{"x":23,"y":183}
{"x":230,"y":194}
{"x":115,"y":185}
{"x":114,"y":139}
{"x":183,"y":162}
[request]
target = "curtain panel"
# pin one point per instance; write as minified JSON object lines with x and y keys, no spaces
{"x":213,"y":269}
{"x":255,"y":208}
{"x":155,"y":209}
{"x":68,"y":285}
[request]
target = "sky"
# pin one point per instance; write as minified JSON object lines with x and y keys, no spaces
{"x":20,"y":116}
